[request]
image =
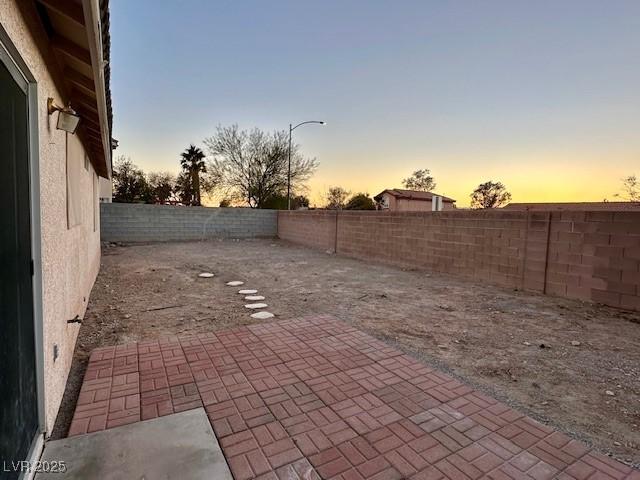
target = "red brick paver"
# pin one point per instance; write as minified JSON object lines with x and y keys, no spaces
{"x":316,"y":398}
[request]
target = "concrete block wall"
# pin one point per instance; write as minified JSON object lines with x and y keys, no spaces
{"x":314,"y":228}
{"x":127,"y":222}
{"x":595,"y":256}
{"x":592,"y":256}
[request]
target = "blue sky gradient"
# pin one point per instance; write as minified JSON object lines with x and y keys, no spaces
{"x":542,"y":95}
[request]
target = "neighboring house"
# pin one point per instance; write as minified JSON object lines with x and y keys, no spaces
{"x":49,"y":221}
{"x":398,"y":200}
{"x":580,"y":206}
{"x":106,"y":190}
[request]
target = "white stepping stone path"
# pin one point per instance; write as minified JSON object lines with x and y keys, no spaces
{"x":235,"y":283}
{"x":262,"y":315}
{"x":255,"y":306}
{"x":206,"y":275}
{"x":254,"y":298}
{"x":247,"y":292}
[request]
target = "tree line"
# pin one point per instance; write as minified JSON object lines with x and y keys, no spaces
{"x":250,"y":168}
{"x":487,"y":195}
{"x":244,"y":167}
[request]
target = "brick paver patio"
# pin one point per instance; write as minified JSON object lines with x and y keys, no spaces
{"x":316,"y":398}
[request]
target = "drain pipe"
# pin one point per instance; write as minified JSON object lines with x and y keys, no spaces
{"x":75,"y":319}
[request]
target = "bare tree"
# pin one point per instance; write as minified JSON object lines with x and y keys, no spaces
{"x":490,"y":195}
{"x":631,"y":188}
{"x":337,"y":198}
{"x":252,"y":165}
{"x":420,"y":180}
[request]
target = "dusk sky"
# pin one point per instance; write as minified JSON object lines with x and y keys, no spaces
{"x":541,"y":95}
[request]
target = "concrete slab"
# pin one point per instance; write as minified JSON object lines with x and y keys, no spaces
{"x":247,"y":291}
{"x":181,"y":445}
{"x":262,"y":315}
{"x":206,"y":275}
{"x":254,"y":298}
{"x":235,"y":283}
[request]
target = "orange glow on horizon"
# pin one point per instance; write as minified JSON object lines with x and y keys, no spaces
{"x":533,"y":181}
{"x":581,"y":179}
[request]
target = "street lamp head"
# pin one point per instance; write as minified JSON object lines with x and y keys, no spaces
{"x":318,"y":122}
{"x":291,"y":129}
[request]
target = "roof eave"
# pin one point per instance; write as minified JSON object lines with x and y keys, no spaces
{"x":397,"y":194}
{"x":93,"y":25}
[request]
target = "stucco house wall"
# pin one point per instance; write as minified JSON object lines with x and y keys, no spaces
{"x":408,"y":205}
{"x":388,"y":202}
{"x":70,"y":256}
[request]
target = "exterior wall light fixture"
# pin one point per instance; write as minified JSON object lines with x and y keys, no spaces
{"x":68,"y":119}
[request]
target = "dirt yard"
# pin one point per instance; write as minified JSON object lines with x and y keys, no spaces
{"x":521,"y":348}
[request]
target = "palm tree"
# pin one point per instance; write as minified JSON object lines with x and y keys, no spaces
{"x":192,"y":162}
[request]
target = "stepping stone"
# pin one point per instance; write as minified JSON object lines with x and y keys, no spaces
{"x":254,"y":298}
{"x":262,"y":315}
{"x":247,"y":292}
{"x":235,"y":283}
{"x":206,"y":275}
{"x":253,"y":306}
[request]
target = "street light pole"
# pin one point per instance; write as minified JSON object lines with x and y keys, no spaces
{"x":291,"y":129}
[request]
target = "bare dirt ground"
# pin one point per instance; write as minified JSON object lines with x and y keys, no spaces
{"x":513,"y":345}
